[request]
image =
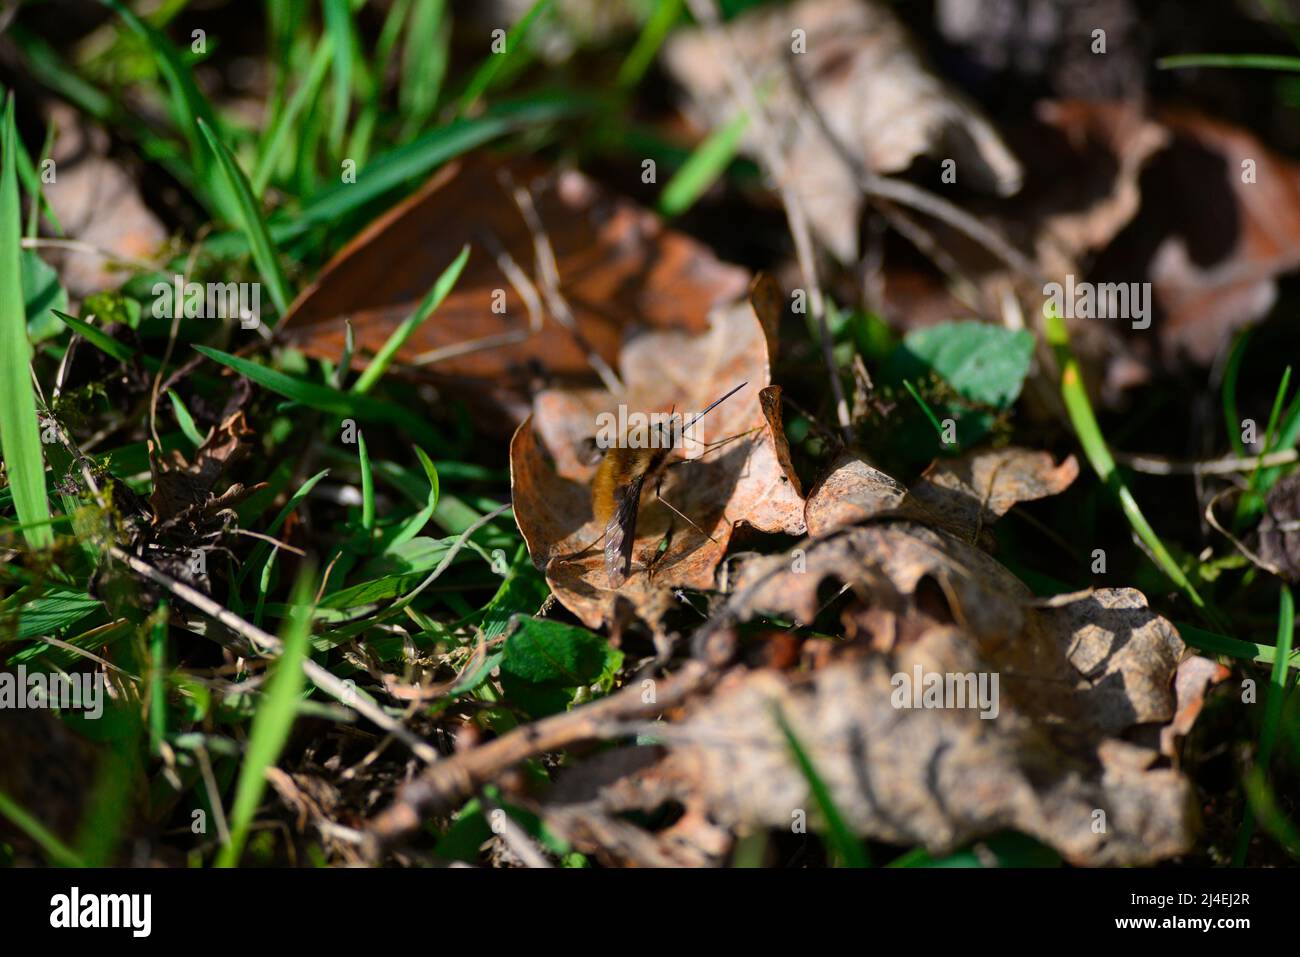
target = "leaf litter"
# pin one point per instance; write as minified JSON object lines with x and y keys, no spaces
{"x":861,"y":586}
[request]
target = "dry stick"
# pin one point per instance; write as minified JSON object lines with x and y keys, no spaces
{"x":742,"y":88}
{"x":549,"y":274}
{"x":214,"y":792}
{"x":515,"y":837}
{"x":267,"y":642}
{"x":1226,"y":466}
{"x":1241,"y":546}
{"x":79,"y":246}
{"x":443,"y":786}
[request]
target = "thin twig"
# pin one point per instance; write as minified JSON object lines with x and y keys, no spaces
{"x":268,"y":643}
{"x":1152,"y":465}
{"x":515,"y":837}
{"x":455,"y":779}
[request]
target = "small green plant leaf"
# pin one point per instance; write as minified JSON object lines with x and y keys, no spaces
{"x":982,"y":363}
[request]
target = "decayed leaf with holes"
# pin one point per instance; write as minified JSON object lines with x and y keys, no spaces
{"x":861,"y":73}
{"x":554,"y":456}
{"x":1085,"y":685}
{"x":618,"y":266}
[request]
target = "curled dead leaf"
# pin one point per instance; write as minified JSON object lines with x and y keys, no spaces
{"x":852,"y":491}
{"x":973,"y":491}
{"x":679,"y":541}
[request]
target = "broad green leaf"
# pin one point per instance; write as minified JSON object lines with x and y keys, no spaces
{"x":983,"y":363}
{"x":544,"y":652}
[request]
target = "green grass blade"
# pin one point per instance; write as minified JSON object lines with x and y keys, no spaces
{"x":400,"y":166}
{"x":384,"y":358}
{"x":424,"y":63}
{"x":1217,"y":644}
{"x":925,"y":407}
{"x":1251,"y":501}
{"x":1230,"y":61}
{"x":54,"y":849}
{"x":188,"y":106}
{"x":100,"y":339}
{"x":851,"y":851}
{"x":1264,"y":806}
{"x":272,"y":723}
{"x":272,"y":151}
{"x":157,"y":679}
{"x":332,"y":401}
{"x":185,"y":420}
{"x":653,"y":34}
{"x":262,"y":548}
{"x":1098,"y":454}
{"x":338,"y":24}
{"x":495,"y":62}
{"x":1273,"y":703}
{"x":20,"y":440}
{"x":709,"y":161}
{"x":367,"y":486}
{"x":260,"y":243}
{"x":1231,"y":372}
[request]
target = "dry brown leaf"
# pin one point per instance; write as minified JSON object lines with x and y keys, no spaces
{"x":618,"y":267}
{"x":96,"y":202}
{"x":179,"y":485}
{"x":741,"y":480}
{"x":870,"y":86}
{"x":1080,"y":679}
{"x":1214,"y":269}
{"x":1105,"y":200}
{"x":852,"y":491}
{"x":972,"y":492}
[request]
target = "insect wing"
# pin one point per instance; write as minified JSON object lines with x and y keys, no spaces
{"x":620,"y":533}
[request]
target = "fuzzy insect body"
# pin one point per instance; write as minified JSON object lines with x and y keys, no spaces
{"x":616,"y":491}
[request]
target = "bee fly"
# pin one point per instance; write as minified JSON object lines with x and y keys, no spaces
{"x":616,"y":492}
